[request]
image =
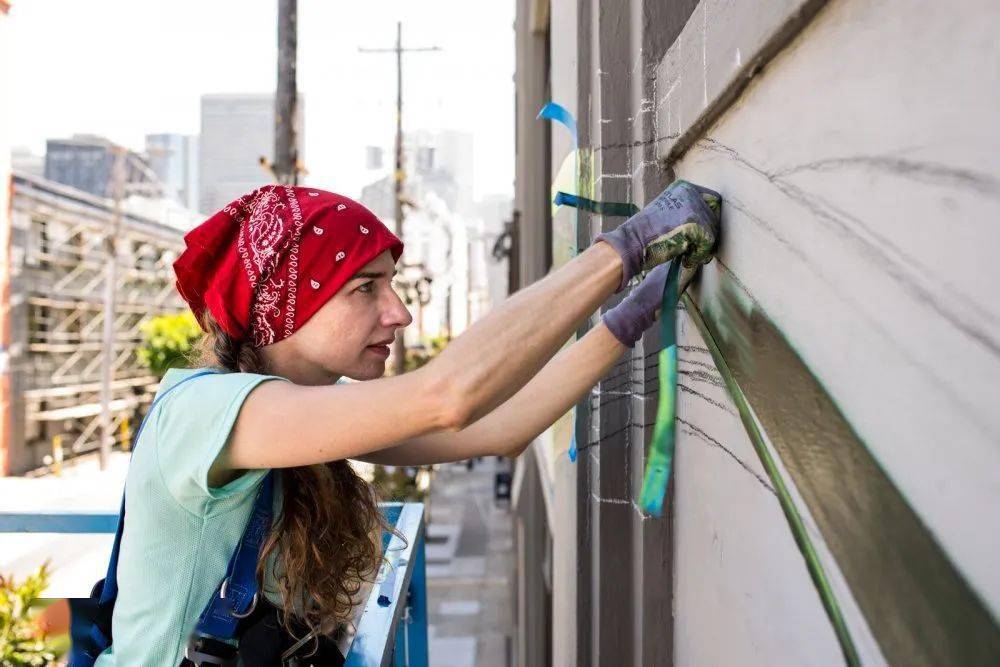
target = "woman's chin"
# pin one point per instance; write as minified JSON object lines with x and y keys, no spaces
{"x":372,"y":369}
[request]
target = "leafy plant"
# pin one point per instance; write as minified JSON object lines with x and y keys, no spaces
{"x":21,"y":642}
{"x":168,"y":339}
{"x":398,"y":484}
{"x":418,"y":356}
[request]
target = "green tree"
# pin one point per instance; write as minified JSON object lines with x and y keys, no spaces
{"x":20,"y":642}
{"x":168,"y":339}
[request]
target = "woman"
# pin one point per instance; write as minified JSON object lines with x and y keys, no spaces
{"x":293,"y":286}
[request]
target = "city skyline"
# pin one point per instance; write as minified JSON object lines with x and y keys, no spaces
{"x":236,"y":132}
{"x":466,"y":87}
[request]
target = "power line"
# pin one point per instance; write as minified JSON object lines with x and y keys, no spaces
{"x":399,"y":176}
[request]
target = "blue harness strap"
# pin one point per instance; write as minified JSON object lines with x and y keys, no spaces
{"x":90,"y":620}
{"x":236,"y":595}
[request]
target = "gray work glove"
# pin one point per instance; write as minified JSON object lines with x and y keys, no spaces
{"x":682,"y":221}
{"x":637,"y":311}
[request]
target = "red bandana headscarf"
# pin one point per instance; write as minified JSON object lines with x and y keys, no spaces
{"x":264,"y":264}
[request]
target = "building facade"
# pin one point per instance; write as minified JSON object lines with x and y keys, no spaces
{"x":237,"y":130}
{"x":5,"y":247}
{"x":837,"y":464}
{"x":448,"y":238}
{"x":22,"y":159}
{"x":174,"y":158}
{"x":86,"y":162}
{"x":439,"y":162}
{"x":53,"y":314}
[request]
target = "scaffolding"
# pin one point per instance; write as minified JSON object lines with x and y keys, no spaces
{"x":61,"y":242}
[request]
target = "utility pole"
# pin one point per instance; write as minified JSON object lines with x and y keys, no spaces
{"x":286,"y":151}
{"x":398,"y":351}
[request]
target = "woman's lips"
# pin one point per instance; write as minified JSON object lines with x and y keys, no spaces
{"x":382,"y":350}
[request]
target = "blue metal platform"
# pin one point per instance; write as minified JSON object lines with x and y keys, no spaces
{"x":391,"y":628}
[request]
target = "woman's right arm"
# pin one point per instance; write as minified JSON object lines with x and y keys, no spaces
{"x":285,"y":425}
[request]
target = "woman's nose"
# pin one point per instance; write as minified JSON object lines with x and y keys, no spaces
{"x":396,"y":314}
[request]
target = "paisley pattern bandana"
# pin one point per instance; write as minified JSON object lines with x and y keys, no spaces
{"x":264,"y":264}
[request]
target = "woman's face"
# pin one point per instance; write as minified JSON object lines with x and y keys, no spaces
{"x":350,"y":335}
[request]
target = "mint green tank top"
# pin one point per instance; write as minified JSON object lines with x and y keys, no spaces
{"x":179,"y":532}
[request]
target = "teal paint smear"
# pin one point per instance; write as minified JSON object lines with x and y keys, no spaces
{"x":660,"y":460}
{"x":610,"y":209}
{"x":599,"y":208}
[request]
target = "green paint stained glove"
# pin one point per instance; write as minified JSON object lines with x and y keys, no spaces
{"x":683,"y":221}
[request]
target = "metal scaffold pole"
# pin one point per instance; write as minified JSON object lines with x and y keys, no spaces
{"x":110,"y":283}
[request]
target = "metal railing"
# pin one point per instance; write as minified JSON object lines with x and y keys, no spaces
{"x":390,"y":628}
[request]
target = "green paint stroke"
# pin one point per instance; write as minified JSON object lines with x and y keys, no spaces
{"x":802,"y":539}
{"x":661,"y":453}
{"x":919,"y":607}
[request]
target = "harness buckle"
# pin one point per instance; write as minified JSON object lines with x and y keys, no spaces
{"x":205,"y":651}
{"x":234,"y":613}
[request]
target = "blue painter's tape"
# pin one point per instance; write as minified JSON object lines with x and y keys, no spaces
{"x":560,"y":114}
{"x":563,"y":199}
{"x":556,"y":112}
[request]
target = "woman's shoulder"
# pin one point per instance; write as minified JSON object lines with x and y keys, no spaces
{"x":198,"y":390}
{"x":212,"y":375}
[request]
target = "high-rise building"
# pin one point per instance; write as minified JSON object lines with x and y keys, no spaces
{"x":236,"y":131}
{"x":174,"y":158}
{"x":439,"y":162}
{"x":86,"y":161}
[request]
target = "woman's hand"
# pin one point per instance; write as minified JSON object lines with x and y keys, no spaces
{"x":682,"y":221}
{"x":629,"y":319}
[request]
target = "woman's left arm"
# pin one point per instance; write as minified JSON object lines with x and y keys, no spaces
{"x":509,"y":428}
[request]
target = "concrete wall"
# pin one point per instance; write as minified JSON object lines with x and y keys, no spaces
{"x":837,"y":442}
{"x":530,"y":492}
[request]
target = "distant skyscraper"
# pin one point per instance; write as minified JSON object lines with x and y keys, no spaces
{"x":236,"y":131}
{"x":26,"y":162}
{"x":174,"y":158}
{"x":373,"y":157}
{"x":440,"y":162}
{"x":85,"y":162}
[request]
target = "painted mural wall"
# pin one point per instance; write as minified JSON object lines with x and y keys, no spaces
{"x":838,"y":456}
{"x":854,"y":300}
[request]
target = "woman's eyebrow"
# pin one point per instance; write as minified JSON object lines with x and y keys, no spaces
{"x":371,"y":274}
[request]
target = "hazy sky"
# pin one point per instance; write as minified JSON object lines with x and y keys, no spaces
{"x":126,"y":68}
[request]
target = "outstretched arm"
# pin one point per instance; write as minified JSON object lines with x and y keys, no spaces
{"x":511,"y":427}
{"x":284,"y":425}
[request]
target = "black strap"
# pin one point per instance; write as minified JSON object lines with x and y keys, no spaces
{"x":263,"y":640}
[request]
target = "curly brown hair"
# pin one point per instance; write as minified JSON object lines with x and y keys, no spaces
{"x":327,"y":537}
